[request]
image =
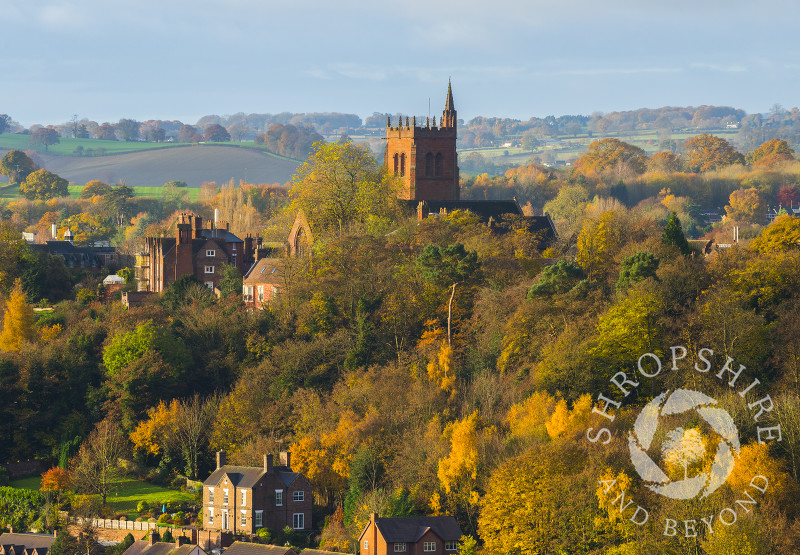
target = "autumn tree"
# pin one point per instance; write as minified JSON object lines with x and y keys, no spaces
{"x":611,"y":154}
{"x":17,"y":166}
{"x":44,"y":185}
{"x":128,"y":129}
{"x":95,"y":188}
{"x":771,"y":153}
{"x":217,"y":134}
{"x":788,"y":195}
{"x":782,"y":234}
{"x":44,"y":136}
{"x":709,"y":152}
{"x":339,"y":186}
{"x":667,"y":162}
{"x":186,"y":134}
{"x":673,"y":234}
{"x":96,"y":466}
{"x":54,"y":482}
{"x":106,"y":132}
{"x":746,"y":205}
{"x":18,"y":323}
{"x":599,"y":240}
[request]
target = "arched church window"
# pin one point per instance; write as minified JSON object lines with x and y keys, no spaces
{"x":402,"y":165}
{"x":437,"y":167}
{"x":396,"y":166}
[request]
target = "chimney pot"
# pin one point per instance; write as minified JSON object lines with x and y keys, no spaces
{"x":221,"y":459}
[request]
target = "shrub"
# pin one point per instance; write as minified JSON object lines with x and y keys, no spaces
{"x":142,"y":506}
{"x":163,"y":519}
{"x":264,"y":534}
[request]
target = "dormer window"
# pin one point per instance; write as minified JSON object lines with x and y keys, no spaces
{"x":211,"y":253}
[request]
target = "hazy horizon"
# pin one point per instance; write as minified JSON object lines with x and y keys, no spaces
{"x":184,"y":60}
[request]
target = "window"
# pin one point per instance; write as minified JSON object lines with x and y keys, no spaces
{"x":259,"y":519}
{"x":278,"y":497}
{"x":396,"y":163}
{"x":210,"y":284}
{"x":260,"y":293}
{"x":209,"y":269}
{"x":210,"y":495}
{"x":234,"y":259}
{"x":211,"y":253}
{"x":243,"y":521}
{"x":399,"y":547}
{"x":233,"y":246}
{"x":299,"y":496}
{"x":244,"y":498}
{"x":428,"y":165}
{"x":451,"y":546}
{"x":366,"y":544}
{"x":402,"y":165}
{"x":224,"y":497}
{"x":248,"y":292}
{"x":211,"y":515}
{"x":298,"y":521}
{"x":429,"y":546}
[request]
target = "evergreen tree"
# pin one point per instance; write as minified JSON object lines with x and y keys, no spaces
{"x":673,"y":234}
{"x":18,"y":321}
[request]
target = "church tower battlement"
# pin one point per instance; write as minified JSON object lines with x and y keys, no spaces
{"x":424,"y":157}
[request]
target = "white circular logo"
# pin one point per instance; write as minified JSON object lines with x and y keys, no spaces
{"x":683,"y":448}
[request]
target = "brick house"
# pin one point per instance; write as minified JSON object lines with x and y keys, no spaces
{"x":424,"y":158}
{"x":194,"y":250}
{"x":423,"y":535}
{"x":25,"y":544}
{"x":243,"y":499}
{"x":263,"y":282}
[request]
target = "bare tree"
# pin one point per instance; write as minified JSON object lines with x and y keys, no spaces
{"x":96,"y":467}
{"x":194,"y":425}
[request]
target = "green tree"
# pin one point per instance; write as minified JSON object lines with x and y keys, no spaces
{"x":44,"y":136}
{"x":17,"y":166}
{"x":339,"y":186}
{"x":673,"y":234}
{"x":708,"y":152}
{"x":18,"y":321}
{"x":568,"y":204}
{"x":5,"y":122}
{"x":231,"y":282}
{"x":558,"y":278}
{"x":636,"y":267}
{"x":128,"y":129}
{"x":44,"y":185}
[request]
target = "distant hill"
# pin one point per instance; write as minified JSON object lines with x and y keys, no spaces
{"x":192,"y":164}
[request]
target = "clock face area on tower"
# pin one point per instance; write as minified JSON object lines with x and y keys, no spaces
{"x":423,"y":157}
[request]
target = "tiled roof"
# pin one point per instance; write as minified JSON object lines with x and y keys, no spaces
{"x":411,"y":529}
{"x":484,"y":209}
{"x":318,"y":552}
{"x":240,"y":476}
{"x":28,"y":540}
{"x":144,"y":547}
{"x":266,"y":270}
{"x":245,"y":548}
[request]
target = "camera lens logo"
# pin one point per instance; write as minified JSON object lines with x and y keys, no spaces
{"x":682,"y":448}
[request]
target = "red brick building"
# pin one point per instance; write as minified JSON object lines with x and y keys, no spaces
{"x":194,"y":250}
{"x":424,"y":158}
{"x":422,"y":535}
{"x":243,"y":499}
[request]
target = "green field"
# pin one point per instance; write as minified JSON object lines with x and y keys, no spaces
{"x":127,"y":494}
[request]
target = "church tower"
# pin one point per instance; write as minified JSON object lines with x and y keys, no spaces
{"x":424,"y":157}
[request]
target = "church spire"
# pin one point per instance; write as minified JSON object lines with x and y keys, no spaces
{"x":449,"y":113}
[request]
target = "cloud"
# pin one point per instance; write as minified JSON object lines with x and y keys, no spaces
{"x":721,"y":68}
{"x":617,"y":71}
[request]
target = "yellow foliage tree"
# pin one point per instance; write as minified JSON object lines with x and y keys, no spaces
{"x":18,"y":321}
{"x":154,"y":434}
{"x":782,"y":234}
{"x":746,"y":205}
{"x":598,"y":242}
{"x":461,"y":465}
{"x":440,"y":369}
{"x":756,"y":459}
{"x":526,"y":419}
{"x":567,"y":423}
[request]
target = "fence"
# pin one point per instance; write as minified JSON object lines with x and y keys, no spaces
{"x":111,"y":524}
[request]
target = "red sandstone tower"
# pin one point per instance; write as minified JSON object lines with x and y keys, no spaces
{"x":425,"y":158}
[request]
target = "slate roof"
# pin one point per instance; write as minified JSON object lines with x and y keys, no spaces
{"x":143,"y":547}
{"x":484,"y":209}
{"x":248,"y":476}
{"x":28,"y":540}
{"x":411,"y":529}
{"x":223,"y":234}
{"x":266,"y":270}
{"x":318,"y":552}
{"x":246,"y":548}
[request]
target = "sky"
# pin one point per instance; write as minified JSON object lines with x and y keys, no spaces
{"x":183,"y":59}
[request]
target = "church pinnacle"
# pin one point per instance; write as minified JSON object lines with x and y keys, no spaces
{"x":449,"y":113}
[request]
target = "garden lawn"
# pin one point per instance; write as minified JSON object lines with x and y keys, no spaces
{"x":129,"y":492}
{"x":34,"y":483}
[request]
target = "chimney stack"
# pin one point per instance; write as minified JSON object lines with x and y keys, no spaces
{"x":54,"y":231}
{"x":286,"y":459}
{"x":155,"y":537}
{"x":180,"y":540}
{"x":268,"y":463}
{"x":221,"y":459}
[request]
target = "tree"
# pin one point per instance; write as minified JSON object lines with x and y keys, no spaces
{"x":217,"y":134}
{"x":44,"y":136}
{"x":231,"y":282}
{"x":609,"y":154}
{"x":673,"y":234}
{"x":568,"y":204}
{"x":83,"y":132}
{"x":781,"y":235}
{"x":340,"y":185}
{"x":95,"y":468}
{"x":667,"y":162}
{"x":17,"y":166}
{"x":44,"y":185}
{"x":771,"y":153}
{"x":106,"y":132}
{"x":708,"y":152}
{"x":159,"y":134}
{"x":18,"y":323}
{"x":5,"y":123}
{"x":746,"y":205}
{"x":55,"y":480}
{"x":128,"y":129}
{"x":95,"y":188}
{"x":683,"y":448}
{"x":637,"y":267}
{"x":186,"y":134}
{"x":558,"y":278}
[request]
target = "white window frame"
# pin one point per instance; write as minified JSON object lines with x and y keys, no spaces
{"x":244,"y":498}
{"x":299,"y":518}
{"x":211,"y":253}
{"x":224,"y":496}
{"x":211,"y":515}
{"x":259,"y":519}
{"x":260,"y":290}
{"x":366,"y":544}
{"x":451,"y":546}
{"x":243,"y":521}
{"x":210,"y":495}
{"x":399,"y":547}
{"x":279,"y":498}
{"x":298,"y":496}
{"x":210,"y":284}
{"x":209,"y":269}
{"x":429,"y":546}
